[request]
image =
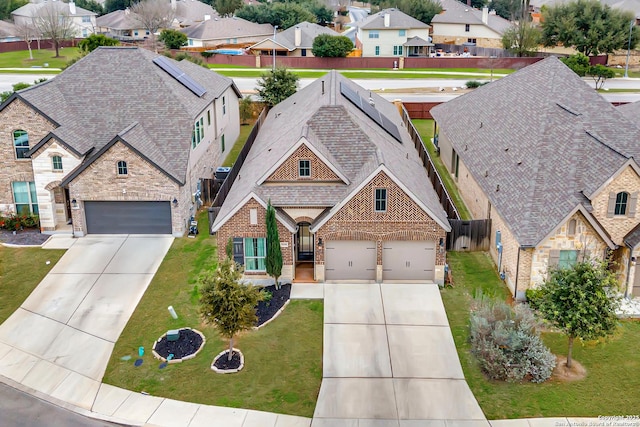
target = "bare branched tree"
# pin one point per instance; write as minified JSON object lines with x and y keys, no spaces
{"x":153,"y":15}
{"x":28,"y":33}
{"x":53,"y":22}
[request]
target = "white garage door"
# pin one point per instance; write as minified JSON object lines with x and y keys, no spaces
{"x":350,"y":260}
{"x":408,"y":260}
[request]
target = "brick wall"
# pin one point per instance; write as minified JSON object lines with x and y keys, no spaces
{"x":143,"y":182}
{"x":288,"y":171}
{"x":17,"y":116}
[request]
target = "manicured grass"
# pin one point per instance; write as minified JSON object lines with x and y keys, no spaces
{"x":254,"y":73}
{"x":611,"y":386}
{"x":425,"y":129}
{"x":245,"y":130}
{"x":21,"y":270}
{"x":20,"y":59}
{"x":283,"y":360}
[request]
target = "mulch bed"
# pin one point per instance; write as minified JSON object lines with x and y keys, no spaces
{"x":267,"y":309}
{"x":188,"y":343}
{"x":28,"y":236}
{"x":225,"y":364}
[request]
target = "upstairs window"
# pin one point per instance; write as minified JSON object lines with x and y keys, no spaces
{"x":304,"y":168}
{"x":208,"y":117}
{"x":381,"y":200}
{"x":622,"y":199}
{"x":224,"y":105}
{"x":21,"y":143}
{"x":198,"y":133}
{"x":86,"y":19}
{"x":56,"y":163}
{"x":402,"y":33}
{"x":374,"y":34}
{"x":122,"y":168}
{"x":467,"y":27}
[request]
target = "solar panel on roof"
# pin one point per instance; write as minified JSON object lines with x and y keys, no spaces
{"x":175,"y":72}
{"x":370,"y":111}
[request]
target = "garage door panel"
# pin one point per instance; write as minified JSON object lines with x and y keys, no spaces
{"x":408,"y":260}
{"x":111,"y":217}
{"x":350,"y":260}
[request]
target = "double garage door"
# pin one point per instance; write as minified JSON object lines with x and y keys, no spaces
{"x":401,"y":260}
{"x":128,"y":217}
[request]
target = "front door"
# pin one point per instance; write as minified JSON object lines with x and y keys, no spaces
{"x":305,"y":242}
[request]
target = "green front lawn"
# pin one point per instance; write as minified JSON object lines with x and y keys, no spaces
{"x":425,"y":129}
{"x":21,"y":270}
{"x":612,"y":384}
{"x":283,"y":360}
{"x":20,"y":59}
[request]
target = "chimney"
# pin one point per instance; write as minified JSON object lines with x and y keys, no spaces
{"x":387,"y":20}
{"x":72,"y":8}
{"x":126,"y":11}
{"x":173,"y":5}
{"x":485,"y":15}
{"x":297,"y":37}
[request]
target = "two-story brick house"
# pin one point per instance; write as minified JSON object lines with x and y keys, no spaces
{"x":117,"y":143}
{"x":352,"y":198}
{"x":552,"y":164}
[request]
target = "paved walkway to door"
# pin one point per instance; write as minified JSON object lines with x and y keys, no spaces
{"x":390,"y":360}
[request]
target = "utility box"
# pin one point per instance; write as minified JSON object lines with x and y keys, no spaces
{"x":173,"y":335}
{"x":222,"y":172}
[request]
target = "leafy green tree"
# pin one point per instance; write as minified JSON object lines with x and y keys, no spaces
{"x":173,"y":39}
{"x":590,"y":27}
{"x":226,"y":303}
{"x":328,"y":46}
{"x":576,"y":300}
{"x":8,"y":6}
{"x":599,"y":73}
{"x":226,"y":7}
{"x":578,"y":62}
{"x":94,"y":41}
{"x":422,"y":10}
{"x":522,"y":38}
{"x":113,"y":5}
{"x":276,"y":86}
{"x":323,"y":14}
{"x":508,"y":9}
{"x":91,"y":5}
{"x":284,"y":15}
{"x":246,"y":109}
{"x":274,"y":253}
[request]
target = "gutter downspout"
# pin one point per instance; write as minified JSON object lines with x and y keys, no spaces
{"x":515,"y":288}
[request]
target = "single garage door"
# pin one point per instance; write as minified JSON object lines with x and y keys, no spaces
{"x":350,"y":260}
{"x":128,"y":217}
{"x":408,"y":260}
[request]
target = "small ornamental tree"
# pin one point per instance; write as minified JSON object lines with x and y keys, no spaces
{"x":576,"y":300}
{"x":328,"y":46}
{"x":274,"y":253}
{"x":173,"y":39}
{"x":276,"y":86}
{"x":94,"y":41}
{"x":246,"y":109}
{"x":578,"y":62}
{"x":599,"y":73}
{"x":226,"y":303}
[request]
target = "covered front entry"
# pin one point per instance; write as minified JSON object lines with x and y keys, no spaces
{"x":350,"y":260}
{"x":128,"y":217}
{"x":408,"y":260}
{"x":304,"y":240}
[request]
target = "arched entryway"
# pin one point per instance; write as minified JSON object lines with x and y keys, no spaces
{"x":304,"y":253}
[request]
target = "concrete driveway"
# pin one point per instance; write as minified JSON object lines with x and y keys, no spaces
{"x":390,"y":360}
{"x":60,"y":340}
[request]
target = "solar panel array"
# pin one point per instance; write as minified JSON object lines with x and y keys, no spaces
{"x":370,"y":111}
{"x":175,"y":72}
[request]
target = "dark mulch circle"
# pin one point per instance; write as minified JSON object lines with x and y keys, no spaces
{"x":28,"y":236}
{"x":267,"y":309}
{"x":188,"y":343}
{"x":225,"y":364}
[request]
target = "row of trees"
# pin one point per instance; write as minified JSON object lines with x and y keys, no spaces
{"x":285,"y":15}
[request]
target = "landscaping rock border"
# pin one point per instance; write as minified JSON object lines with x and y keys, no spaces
{"x":277,"y":313}
{"x":191,"y":356}
{"x":227,"y":371}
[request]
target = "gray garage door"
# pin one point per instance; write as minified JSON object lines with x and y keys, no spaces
{"x":128,"y":217}
{"x":408,"y":260}
{"x":350,"y":260}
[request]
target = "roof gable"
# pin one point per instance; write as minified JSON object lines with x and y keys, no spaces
{"x":455,"y":12}
{"x":397,"y":20}
{"x":282,"y":218}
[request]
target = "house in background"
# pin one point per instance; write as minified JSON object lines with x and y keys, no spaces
{"x":226,"y":31}
{"x":387,"y":32}
{"x":294,"y":41}
{"x":121,"y":25}
{"x":460,"y":24}
{"x":83,"y":21}
{"x":192,"y":12}
{"x":352,"y":198}
{"x":8,"y":32}
{"x":117,"y":143}
{"x":552,"y":164}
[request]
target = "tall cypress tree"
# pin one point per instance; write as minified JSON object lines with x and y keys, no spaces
{"x":274,"y":253}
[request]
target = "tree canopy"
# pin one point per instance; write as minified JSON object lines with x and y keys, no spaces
{"x":113,"y":5}
{"x":580,"y":65}
{"x":54,"y":25}
{"x":94,"y":41}
{"x":226,"y":7}
{"x":422,"y":10}
{"x":173,"y":39}
{"x":91,"y":5}
{"x":590,"y":27}
{"x":276,"y":86}
{"x":328,"y":46}
{"x":8,"y":6}
{"x":284,"y":15}
{"x":522,"y":38}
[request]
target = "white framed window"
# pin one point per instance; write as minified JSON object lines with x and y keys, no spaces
{"x":374,"y":34}
{"x":304,"y":168}
{"x":255,"y":251}
{"x":208,"y":117}
{"x":86,"y":19}
{"x":467,"y":28}
{"x":622,"y":199}
{"x":380,"y":200}
{"x":222,"y":147}
{"x":377,"y":51}
{"x":56,"y":163}
{"x":21,"y":143}
{"x":25,"y":197}
{"x":402,"y":33}
{"x":224,"y":105}
{"x":198,"y":133}
{"x":122,"y":168}
{"x":397,"y":50}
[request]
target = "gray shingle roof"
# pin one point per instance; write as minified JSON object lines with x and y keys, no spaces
{"x":110,"y":90}
{"x":118,"y":20}
{"x":332,"y":124}
{"x":227,"y":28}
{"x":308,"y":33}
{"x":398,"y":20}
{"x":31,"y":9}
{"x":455,"y":12}
{"x":8,"y":29}
{"x":538,"y":142}
{"x":417,"y":41}
{"x":190,"y":12}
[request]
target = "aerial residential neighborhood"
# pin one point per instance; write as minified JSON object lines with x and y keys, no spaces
{"x":319,"y":214}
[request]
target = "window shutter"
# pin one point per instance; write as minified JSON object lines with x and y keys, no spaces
{"x":631,"y":212}
{"x":554,"y":258}
{"x":238,"y":250}
{"x":612,"y":205}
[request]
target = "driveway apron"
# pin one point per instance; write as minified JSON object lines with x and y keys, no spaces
{"x":60,"y":340}
{"x":390,"y":360}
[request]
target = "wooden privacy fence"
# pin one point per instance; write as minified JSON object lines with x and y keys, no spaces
{"x":436,"y":182}
{"x":474,"y":235}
